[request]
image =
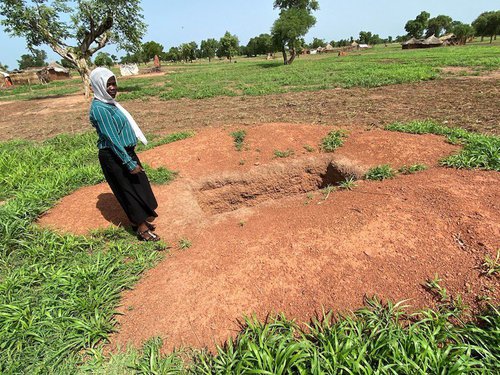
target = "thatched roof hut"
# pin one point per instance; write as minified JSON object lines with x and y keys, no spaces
{"x":431,"y":42}
{"x":42,"y":74}
{"x":329,"y":48}
{"x":411,"y":43}
{"x":56,"y":72}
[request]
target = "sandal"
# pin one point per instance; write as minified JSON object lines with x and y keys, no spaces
{"x":150,"y":226}
{"x":148,"y":236}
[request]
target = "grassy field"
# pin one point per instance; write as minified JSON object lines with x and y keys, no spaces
{"x":256,"y":76}
{"x":58,"y":292}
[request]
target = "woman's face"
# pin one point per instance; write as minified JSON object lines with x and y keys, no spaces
{"x":111,"y":87}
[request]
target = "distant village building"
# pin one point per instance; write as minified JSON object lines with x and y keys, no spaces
{"x":43,"y":74}
{"x":430,"y":42}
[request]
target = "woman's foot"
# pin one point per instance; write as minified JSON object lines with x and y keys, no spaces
{"x":145,"y":232}
{"x":148,"y":235}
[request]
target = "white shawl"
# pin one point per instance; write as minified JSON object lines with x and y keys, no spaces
{"x":99,"y":82}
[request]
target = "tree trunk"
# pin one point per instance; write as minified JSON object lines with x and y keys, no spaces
{"x":285,"y":59}
{"x":84,"y":71}
{"x":293,"y":54}
{"x":491,"y":39}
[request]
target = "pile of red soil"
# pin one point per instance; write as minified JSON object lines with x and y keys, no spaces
{"x":265,"y":237}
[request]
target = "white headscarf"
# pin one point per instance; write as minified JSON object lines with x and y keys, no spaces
{"x":99,"y":82}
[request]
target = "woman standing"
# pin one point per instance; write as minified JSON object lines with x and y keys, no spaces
{"x":118,"y":134}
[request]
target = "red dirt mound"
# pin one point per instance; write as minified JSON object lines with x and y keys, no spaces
{"x":266,"y":239}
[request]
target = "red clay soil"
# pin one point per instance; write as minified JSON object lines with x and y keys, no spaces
{"x":265,"y":239}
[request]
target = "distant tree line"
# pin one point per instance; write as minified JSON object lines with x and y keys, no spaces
{"x":287,"y":36}
{"x":487,"y":24}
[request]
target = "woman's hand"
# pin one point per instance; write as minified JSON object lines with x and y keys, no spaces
{"x":137,"y":169}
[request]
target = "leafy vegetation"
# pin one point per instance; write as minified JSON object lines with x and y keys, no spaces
{"x":348,"y":184}
{"x":239,"y":138}
{"x":479,"y":151}
{"x":410,"y":169}
{"x":283,"y":154}
{"x":380,"y":172}
{"x":58,"y":292}
{"x":491,"y":266}
{"x":333,"y":140}
{"x":377,"y":339}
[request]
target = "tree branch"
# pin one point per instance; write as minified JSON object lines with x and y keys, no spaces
{"x":92,"y":36}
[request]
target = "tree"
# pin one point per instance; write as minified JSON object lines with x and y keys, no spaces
{"x":150,"y":49}
{"x":90,"y":24}
{"x":208,"y":48}
{"x":188,"y":51}
{"x":3,"y":67}
{"x":66,"y":63}
{"x":415,"y":28}
{"x":317,"y":43}
{"x":437,"y":24}
{"x":37,"y":58}
{"x":294,"y":22}
{"x":462,"y":32}
{"x":103,"y":59}
{"x":173,"y":54}
{"x":487,"y":24}
{"x":228,"y":46}
{"x":365,"y":37}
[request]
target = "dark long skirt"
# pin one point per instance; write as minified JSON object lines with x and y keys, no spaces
{"x":132,"y":191}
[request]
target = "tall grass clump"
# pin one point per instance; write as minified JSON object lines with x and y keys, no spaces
{"x":238,"y":138}
{"x":377,"y":339}
{"x":333,"y":140}
{"x":380,"y":173}
{"x":479,"y":151}
{"x":58,"y":292}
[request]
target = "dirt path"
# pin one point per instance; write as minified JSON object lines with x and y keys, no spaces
{"x":467,"y":102}
{"x":266,"y":239}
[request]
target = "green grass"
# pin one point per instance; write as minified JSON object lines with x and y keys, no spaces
{"x":348,"y":184}
{"x":333,"y":140}
{"x":257,"y":76}
{"x":377,"y":339}
{"x":58,"y":292}
{"x":239,"y":138}
{"x":283,"y":154}
{"x":479,"y":151}
{"x":380,"y":173}
{"x":411,"y":169}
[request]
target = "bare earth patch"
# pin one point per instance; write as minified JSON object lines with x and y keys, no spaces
{"x":265,"y":238}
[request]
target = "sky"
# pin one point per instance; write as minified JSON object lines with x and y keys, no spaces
{"x":172,"y":22}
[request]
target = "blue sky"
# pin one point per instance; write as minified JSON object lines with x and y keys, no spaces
{"x":172,"y":22}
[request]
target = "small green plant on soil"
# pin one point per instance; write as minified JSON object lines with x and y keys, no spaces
{"x":348,"y":184}
{"x":491,"y":266}
{"x":327,"y":191}
{"x":283,"y":154}
{"x":333,"y":140}
{"x":309,"y":198}
{"x":479,"y":151}
{"x":184,"y":244}
{"x":434,"y":286}
{"x":381,"y":172}
{"x":239,"y":138}
{"x":405,"y":169}
{"x":309,"y":148}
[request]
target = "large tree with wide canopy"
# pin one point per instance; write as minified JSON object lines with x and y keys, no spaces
{"x":75,"y":29}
